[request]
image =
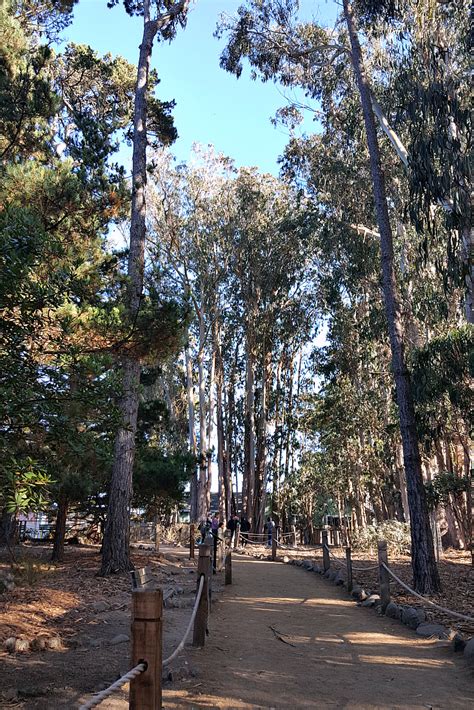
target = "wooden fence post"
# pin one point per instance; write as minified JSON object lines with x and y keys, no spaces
{"x":293,"y":535}
{"x":274,"y":546}
{"x":200,"y":622}
{"x":349,"y":569}
{"x":326,"y":560}
{"x":384,"y":578}
{"x":157,"y":537}
{"x":228,"y":567}
{"x":147,"y":614}
{"x":191,"y":541}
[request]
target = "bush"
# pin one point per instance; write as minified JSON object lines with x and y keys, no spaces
{"x":395,"y":533}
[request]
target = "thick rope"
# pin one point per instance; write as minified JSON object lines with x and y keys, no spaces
{"x":104,"y":694}
{"x":420,"y":596}
{"x":180,"y":647}
{"x":342,"y":563}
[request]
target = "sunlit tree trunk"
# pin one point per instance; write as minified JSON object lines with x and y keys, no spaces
{"x":425,"y":573}
{"x":191,"y":429}
{"x":202,"y":482}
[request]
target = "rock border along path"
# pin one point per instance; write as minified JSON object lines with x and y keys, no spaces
{"x":281,"y":638}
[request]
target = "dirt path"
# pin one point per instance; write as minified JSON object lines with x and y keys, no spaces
{"x":336,"y":655}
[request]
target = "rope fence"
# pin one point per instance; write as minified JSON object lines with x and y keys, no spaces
{"x":147,"y":610}
{"x":104,"y":694}
{"x":424,"y":599}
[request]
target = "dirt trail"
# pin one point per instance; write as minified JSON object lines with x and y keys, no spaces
{"x":334,"y":654}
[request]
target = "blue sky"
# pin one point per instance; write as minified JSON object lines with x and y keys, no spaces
{"x":212,"y":105}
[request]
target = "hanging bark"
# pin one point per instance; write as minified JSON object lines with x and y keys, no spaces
{"x":425,"y":574}
{"x":115,"y":548}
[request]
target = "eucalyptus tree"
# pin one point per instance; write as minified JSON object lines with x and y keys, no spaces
{"x":307,"y":55}
{"x":160,"y":19}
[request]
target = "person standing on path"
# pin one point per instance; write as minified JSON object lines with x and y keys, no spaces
{"x":270,"y":530}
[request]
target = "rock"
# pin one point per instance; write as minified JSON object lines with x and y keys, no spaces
{"x":412,"y":617}
{"x":9,"y":644}
{"x":22,"y":645}
{"x":459,"y":643}
{"x":54,"y":643}
{"x":99,"y":606}
{"x":308,"y":566}
{"x":286,"y":559}
{"x":469,"y":651}
{"x":359,"y":594}
{"x":433,"y":631}
{"x":39,"y":643}
{"x":95,"y":643}
{"x":332,"y":575}
{"x":393,"y":611}
{"x":372,"y":600}
{"x":340,"y":579}
{"x":120,"y":638}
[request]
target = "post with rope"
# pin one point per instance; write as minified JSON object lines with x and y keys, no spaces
{"x":147,"y":629}
{"x":200,"y":623}
{"x":274,"y":547}
{"x":191,"y":541}
{"x":349,"y":569}
{"x":228,"y":567}
{"x":326,"y":560}
{"x":384,"y":578}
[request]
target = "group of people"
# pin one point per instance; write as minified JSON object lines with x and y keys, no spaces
{"x":237,"y":526}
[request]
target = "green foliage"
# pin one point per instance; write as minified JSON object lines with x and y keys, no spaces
{"x":24,"y":486}
{"x":444,"y":484}
{"x":159,"y":480}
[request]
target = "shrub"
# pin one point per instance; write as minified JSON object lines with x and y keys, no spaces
{"x":395,"y":533}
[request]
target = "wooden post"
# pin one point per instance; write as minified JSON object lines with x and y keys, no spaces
{"x":349,"y":569}
{"x":228,"y":567}
{"x":191,"y":541}
{"x":274,"y":547}
{"x":200,"y":622}
{"x":147,"y":612}
{"x":293,"y":535}
{"x":157,"y":537}
{"x":237,"y":535}
{"x":326,"y":560}
{"x":384,"y":578}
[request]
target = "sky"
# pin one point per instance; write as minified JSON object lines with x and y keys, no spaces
{"x":212,"y":106}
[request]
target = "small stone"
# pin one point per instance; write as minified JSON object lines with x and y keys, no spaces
{"x":39,"y":643}
{"x":359,"y":594}
{"x":412,"y":617}
{"x":22,"y":646}
{"x":120,"y":638}
{"x":372,"y":600}
{"x":332,"y":575}
{"x":339,"y":579}
{"x":95,"y":643}
{"x":54,"y":643}
{"x":469,"y":651}
{"x":9,"y":644}
{"x":99,"y":606}
{"x":286,"y":559}
{"x":433,"y":631}
{"x":459,"y":643}
{"x":393,"y":611}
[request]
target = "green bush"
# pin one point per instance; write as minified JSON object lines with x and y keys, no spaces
{"x":395,"y":533}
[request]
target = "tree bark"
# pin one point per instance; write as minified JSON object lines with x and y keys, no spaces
{"x":202,"y":482}
{"x":115,"y":549}
{"x":425,"y":574}
{"x":60,"y":530}
{"x":191,"y":429}
{"x":248,"y":489}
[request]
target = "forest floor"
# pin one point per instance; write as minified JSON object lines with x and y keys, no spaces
{"x":322,"y":652}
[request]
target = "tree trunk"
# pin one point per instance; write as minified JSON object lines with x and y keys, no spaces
{"x":115,"y":549}
{"x":425,"y":574}
{"x":60,"y":531}
{"x":191,"y":429}
{"x":248,"y":491}
{"x":202,"y":483}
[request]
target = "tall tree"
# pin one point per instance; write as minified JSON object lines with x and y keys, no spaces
{"x":115,"y":550}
